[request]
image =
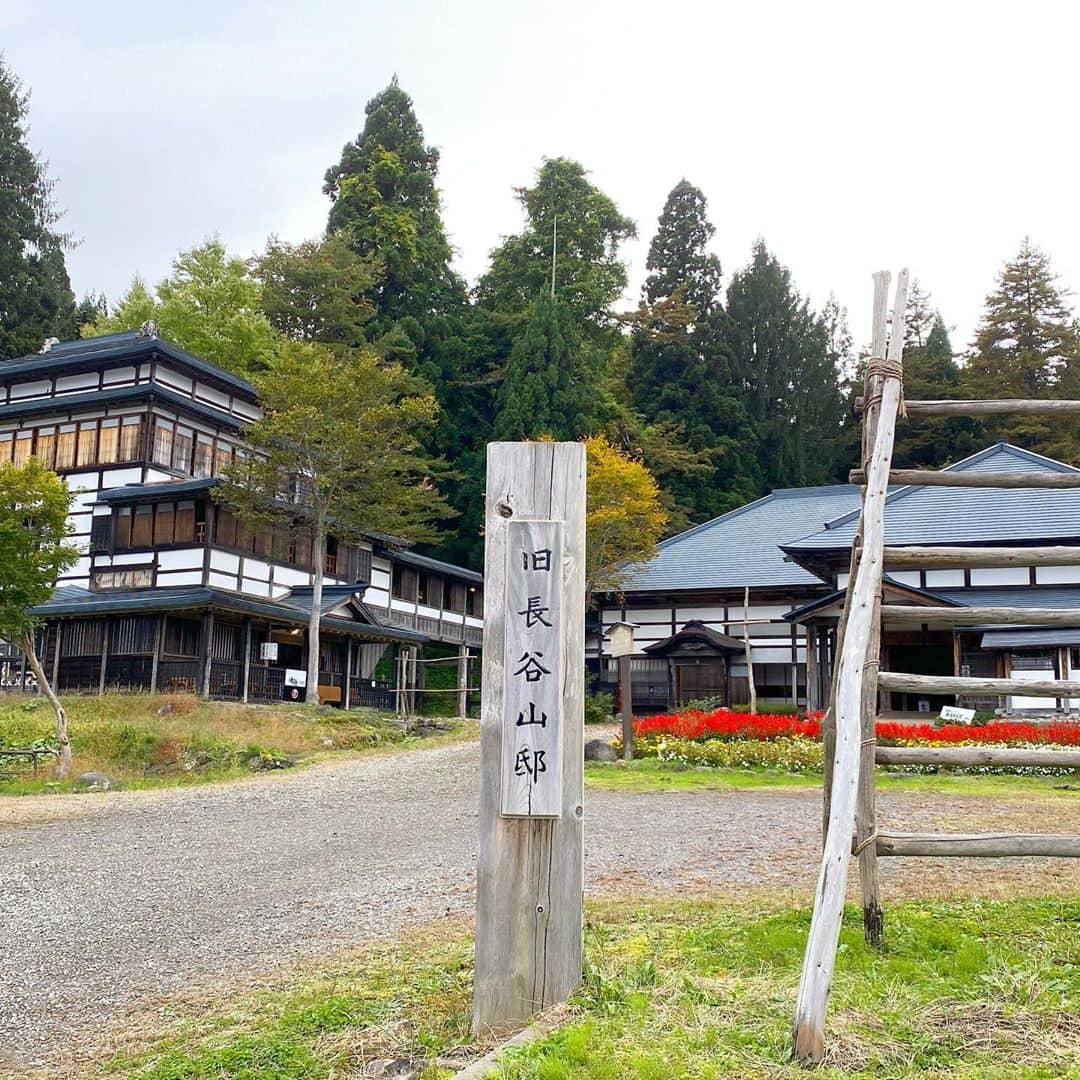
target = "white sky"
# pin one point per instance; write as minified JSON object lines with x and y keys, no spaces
{"x":852,"y":136}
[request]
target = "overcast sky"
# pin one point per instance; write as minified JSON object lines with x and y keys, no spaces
{"x":852,"y":136}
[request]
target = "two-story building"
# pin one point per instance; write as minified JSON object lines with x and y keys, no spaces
{"x":172,"y":591}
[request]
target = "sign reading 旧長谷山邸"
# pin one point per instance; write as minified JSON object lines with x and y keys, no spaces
{"x":532,"y":709}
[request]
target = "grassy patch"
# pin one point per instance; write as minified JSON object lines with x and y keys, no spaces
{"x":964,"y":989}
{"x":650,"y":774}
{"x":143,"y":740}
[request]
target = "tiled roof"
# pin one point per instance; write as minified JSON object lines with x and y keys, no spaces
{"x":424,"y":562}
{"x":161,"y":489}
{"x":741,"y":547}
{"x":944,"y":515}
{"x":73,"y":601}
{"x":71,"y":354}
{"x":1015,"y":638}
{"x":141,"y":392}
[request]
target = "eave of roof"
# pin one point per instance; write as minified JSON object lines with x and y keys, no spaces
{"x":73,"y":354}
{"x":148,"y":391}
{"x":163,"y":489}
{"x":425,"y":562}
{"x":74,"y":602}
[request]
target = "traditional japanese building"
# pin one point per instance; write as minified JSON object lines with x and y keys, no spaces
{"x":792,"y":550}
{"x":172,"y":591}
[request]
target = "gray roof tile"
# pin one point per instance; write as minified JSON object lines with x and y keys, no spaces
{"x":944,"y":515}
{"x":740,"y":548}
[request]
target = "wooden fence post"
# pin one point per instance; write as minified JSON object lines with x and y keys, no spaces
{"x":530,"y":865}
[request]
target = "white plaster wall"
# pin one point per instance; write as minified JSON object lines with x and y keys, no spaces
{"x":1006,"y":575}
{"x":944,"y":579}
{"x":222,"y":581}
{"x":1057,"y":575}
{"x":255,"y":588}
{"x":224,"y":561}
{"x":179,"y":577}
{"x":68,"y":384}
{"x":170,"y":377}
{"x":256,"y":569}
{"x":25,"y":391}
{"x":119,"y":375}
{"x":181,"y":559}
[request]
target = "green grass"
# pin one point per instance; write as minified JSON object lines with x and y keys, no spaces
{"x":650,"y":774}
{"x":964,"y":989}
{"x":143,"y":740}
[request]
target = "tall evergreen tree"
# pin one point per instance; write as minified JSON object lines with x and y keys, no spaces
{"x":783,"y":357}
{"x":555,"y":308}
{"x":36,"y":301}
{"x":385,"y":200}
{"x":680,"y":371}
{"x":564,"y":211}
{"x":1027,"y":346}
{"x":547,"y":389}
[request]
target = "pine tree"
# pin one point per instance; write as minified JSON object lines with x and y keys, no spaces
{"x":680,"y":371}
{"x":1027,"y":346}
{"x":36,"y":301}
{"x":385,"y":200}
{"x":783,"y":357}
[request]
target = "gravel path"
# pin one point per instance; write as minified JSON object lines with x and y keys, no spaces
{"x":110,"y":901}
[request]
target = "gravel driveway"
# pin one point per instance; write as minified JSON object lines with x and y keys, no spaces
{"x":109,"y":901}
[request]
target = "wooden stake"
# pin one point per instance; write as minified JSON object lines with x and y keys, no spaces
{"x":530,"y":870}
{"x":749,"y":652}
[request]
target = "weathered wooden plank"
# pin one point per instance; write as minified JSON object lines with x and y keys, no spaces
{"x":820,"y":958}
{"x":928,"y":558}
{"x":966,"y":478}
{"x":981,"y":616}
{"x":979,"y":845}
{"x":968,"y":756}
{"x":967,"y":684}
{"x":530,"y":870}
{"x":1016,"y":406}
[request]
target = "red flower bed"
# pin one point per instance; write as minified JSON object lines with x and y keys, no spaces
{"x":725,"y":724}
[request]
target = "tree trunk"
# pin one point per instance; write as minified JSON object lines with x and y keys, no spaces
{"x":63,"y":764}
{"x":318,"y":550}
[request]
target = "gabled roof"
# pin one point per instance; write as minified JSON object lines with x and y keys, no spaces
{"x":741,"y":547}
{"x":695,"y":633}
{"x":889,"y":586}
{"x":128,"y":343}
{"x":943,"y":515}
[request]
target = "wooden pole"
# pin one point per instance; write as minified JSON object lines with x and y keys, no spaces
{"x":979,"y":845}
{"x":967,"y":478}
{"x":968,"y":756}
{"x":748,"y":651}
{"x":820,"y":958}
{"x":956,"y":557}
{"x":981,"y":616}
{"x":945,"y":407}
{"x":530,"y":869}
{"x":951,"y":684}
{"x":463,"y":681}
{"x":104,"y":655}
{"x":159,"y":633}
{"x":626,"y":707}
{"x":206,"y":653}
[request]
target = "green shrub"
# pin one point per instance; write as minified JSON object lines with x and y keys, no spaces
{"x":789,"y":754}
{"x":599,"y":708}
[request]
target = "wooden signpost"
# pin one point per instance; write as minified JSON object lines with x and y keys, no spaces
{"x":530,"y":862}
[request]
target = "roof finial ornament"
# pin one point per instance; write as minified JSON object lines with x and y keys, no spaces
{"x":149,"y":329}
{"x":49,"y":343}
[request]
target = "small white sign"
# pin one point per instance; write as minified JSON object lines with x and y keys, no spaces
{"x":955,"y":715}
{"x":295,"y":677}
{"x":533,"y":641}
{"x":268,"y":650}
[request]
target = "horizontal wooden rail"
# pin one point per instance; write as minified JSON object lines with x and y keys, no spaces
{"x":967,"y":756}
{"x":967,"y":478}
{"x":978,"y":845}
{"x":960,"y":684}
{"x":959,"y":407}
{"x":980,"y":616}
{"x":975,"y":557}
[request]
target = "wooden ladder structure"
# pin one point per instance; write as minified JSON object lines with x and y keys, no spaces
{"x":849,"y":731}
